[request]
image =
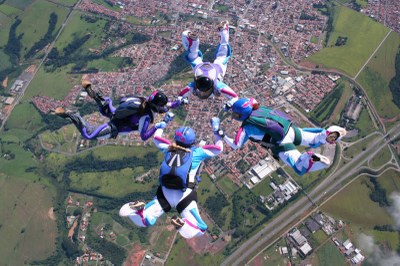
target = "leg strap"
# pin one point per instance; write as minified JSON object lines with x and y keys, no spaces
{"x":162,"y":200}
{"x":186,"y":201}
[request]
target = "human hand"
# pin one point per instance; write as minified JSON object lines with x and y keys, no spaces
{"x":169,"y":116}
{"x":161,"y":124}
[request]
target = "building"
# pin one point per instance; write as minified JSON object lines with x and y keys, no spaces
{"x":347,"y":244}
{"x":305,"y":249}
{"x":298,"y":238}
{"x":312,"y":225}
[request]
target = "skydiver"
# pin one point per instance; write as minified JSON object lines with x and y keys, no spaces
{"x":178,"y":177}
{"x":208,"y":76}
{"x":133,"y":114}
{"x":272,"y":130}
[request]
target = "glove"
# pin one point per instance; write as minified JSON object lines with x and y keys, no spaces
{"x":183,"y":100}
{"x":161,"y":124}
{"x":169,"y":116}
{"x":227,"y":106}
{"x":215,"y":124}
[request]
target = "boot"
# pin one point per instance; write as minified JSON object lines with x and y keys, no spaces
{"x":73,"y":116}
{"x":87,"y":85}
{"x":177,"y":222}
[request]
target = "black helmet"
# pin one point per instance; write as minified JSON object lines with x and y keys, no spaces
{"x":157,"y":100}
{"x":204,"y":87}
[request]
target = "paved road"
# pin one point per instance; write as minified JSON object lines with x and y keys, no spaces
{"x":265,"y":237}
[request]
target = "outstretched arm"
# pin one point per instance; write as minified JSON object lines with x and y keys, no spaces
{"x":216,"y":148}
{"x":240,"y":139}
{"x":185,"y":93}
{"x":229,"y":94}
{"x":145,"y":131}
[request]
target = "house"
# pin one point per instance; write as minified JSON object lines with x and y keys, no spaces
{"x":312,"y":225}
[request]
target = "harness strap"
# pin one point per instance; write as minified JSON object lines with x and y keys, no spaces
{"x":186,"y":201}
{"x":283,"y":147}
{"x":162,"y":200}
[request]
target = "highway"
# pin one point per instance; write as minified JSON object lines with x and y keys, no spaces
{"x":267,"y":236}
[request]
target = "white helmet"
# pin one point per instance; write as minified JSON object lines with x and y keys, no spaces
{"x":341,"y":131}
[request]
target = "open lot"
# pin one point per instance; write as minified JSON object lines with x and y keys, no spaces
{"x":364,"y":35}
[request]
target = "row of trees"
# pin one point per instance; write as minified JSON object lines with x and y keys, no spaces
{"x":394,"y":83}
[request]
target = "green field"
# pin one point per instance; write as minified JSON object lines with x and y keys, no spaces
{"x":364,"y":35}
{"x":26,"y":227}
{"x":377,"y":74}
{"x":55,"y":84}
{"x":326,"y":107}
{"x":329,"y":255}
{"x":263,"y":188}
{"x":364,"y":124}
{"x":350,"y":204}
{"x":24,"y":121}
{"x":390,"y":181}
{"x":20,"y":4}
{"x":227,"y":185}
{"x":9,"y":11}
{"x":358,"y":147}
{"x":383,"y":156}
{"x":34,"y":27}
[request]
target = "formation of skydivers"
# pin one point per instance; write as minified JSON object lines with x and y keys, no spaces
{"x":182,"y":157}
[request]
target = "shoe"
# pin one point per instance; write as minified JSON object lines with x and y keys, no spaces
{"x":224,"y":25}
{"x":188,"y":38}
{"x":87,"y":85}
{"x":60,"y":111}
{"x":316,"y":157}
{"x":177,"y":222}
{"x":136,"y":205}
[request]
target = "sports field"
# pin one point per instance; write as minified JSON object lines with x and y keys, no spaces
{"x":377,"y":74}
{"x":364,"y":35}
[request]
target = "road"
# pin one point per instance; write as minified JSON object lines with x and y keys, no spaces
{"x":28,"y":77}
{"x":265,"y":237}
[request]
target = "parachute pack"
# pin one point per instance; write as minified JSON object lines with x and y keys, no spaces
{"x":128,"y":107}
{"x":175,"y":168}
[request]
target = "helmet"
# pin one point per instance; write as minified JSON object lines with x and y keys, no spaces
{"x":157,"y":100}
{"x":204,"y":76}
{"x":341,"y":132}
{"x":185,"y":136}
{"x":242,"y":109}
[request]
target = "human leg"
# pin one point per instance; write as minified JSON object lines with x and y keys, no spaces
{"x":141,"y":214}
{"x":190,"y":43}
{"x":193,"y":225}
{"x":304,"y":162}
{"x":223,"y":52}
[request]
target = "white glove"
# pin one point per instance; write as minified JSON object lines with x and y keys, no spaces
{"x":161,"y":124}
{"x":215,"y":124}
{"x":183,"y":100}
{"x":169,"y":116}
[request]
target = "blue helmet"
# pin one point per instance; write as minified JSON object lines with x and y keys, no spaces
{"x":242,"y":109}
{"x":185,"y":136}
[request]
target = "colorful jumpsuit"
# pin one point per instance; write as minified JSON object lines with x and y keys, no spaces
{"x":300,"y":162}
{"x":194,"y":225}
{"x":195,"y":57}
{"x":116,"y":126}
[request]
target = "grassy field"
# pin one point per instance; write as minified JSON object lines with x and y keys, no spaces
{"x":364,"y":124}
{"x":182,"y":254}
{"x":364,"y":35}
{"x":358,"y":147}
{"x":227,"y":185}
{"x":327,"y":106}
{"x":350,"y":205}
{"x":69,"y":3}
{"x":329,"y":255}
{"x":55,"y":84}
{"x":10,"y":11}
{"x":377,"y":74}
{"x":24,"y":121}
{"x":381,"y":158}
{"x":390,"y":239}
{"x":263,"y":188}
{"x":34,"y":27}
{"x":27,"y":232}
{"x":20,"y":4}
{"x":78,"y":27}
{"x":390,"y":181}
{"x":111,"y":183}
{"x":346,"y":93}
